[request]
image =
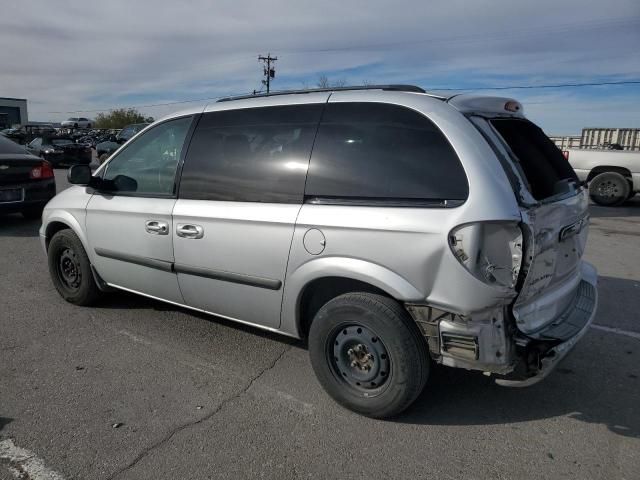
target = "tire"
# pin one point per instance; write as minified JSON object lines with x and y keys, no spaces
{"x":70,"y":269}
{"x":609,"y":189}
{"x":349,"y":328}
{"x":33,"y":213}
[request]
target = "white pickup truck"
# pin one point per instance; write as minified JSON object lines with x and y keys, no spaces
{"x":613,"y":175}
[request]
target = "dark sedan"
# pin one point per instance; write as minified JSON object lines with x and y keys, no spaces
{"x":26,"y":181}
{"x":60,"y":151}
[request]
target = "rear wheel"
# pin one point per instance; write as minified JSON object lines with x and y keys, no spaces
{"x":70,"y":269}
{"x":609,"y":189}
{"x":368,"y":354}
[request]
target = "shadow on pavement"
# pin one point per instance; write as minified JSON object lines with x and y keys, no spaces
{"x":15,"y":225}
{"x":118,"y":300}
{"x":618,"y":303}
{"x":458,"y":397}
{"x":4,"y":421}
{"x":631,"y":208}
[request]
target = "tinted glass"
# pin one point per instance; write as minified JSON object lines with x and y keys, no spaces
{"x":9,"y":146}
{"x":130,"y":130}
{"x":36,"y":143}
{"x":251,"y":155}
{"x":381,"y":151}
{"x":542,"y":162}
{"x":61,"y":141}
{"x":151,"y":159}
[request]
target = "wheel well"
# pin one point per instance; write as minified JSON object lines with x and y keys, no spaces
{"x":52,"y":229}
{"x":601,"y":169}
{"x":321,"y":290}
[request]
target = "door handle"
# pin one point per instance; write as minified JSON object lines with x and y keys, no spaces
{"x":187,"y":230}
{"x":156,"y":228}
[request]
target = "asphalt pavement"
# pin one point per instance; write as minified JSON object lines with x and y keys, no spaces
{"x":139,"y":389}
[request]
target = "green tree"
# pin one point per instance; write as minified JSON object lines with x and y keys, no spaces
{"x":120,"y":118}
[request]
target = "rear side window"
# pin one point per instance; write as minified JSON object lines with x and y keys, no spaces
{"x":251,"y":155}
{"x":383,"y":152}
{"x":9,"y":146}
{"x":545,"y":168}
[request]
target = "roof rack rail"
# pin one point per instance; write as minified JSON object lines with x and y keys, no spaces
{"x":396,"y":88}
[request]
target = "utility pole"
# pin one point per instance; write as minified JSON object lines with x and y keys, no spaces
{"x":269,"y":72}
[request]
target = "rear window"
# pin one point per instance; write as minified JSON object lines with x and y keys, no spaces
{"x":546,"y":170}
{"x":10,"y":147}
{"x":377,"y":151}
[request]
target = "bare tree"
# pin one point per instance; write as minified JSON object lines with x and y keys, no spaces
{"x":324,"y":82}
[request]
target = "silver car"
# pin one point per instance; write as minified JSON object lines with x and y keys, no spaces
{"x":392,"y":228}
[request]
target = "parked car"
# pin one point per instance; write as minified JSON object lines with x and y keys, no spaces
{"x":106,"y":148}
{"x":77,"y":122}
{"x":392,"y":228}
{"x":613,"y":175}
{"x":26,"y":181}
{"x":60,"y":151}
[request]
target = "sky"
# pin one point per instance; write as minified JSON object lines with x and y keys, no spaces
{"x":75,"y":58}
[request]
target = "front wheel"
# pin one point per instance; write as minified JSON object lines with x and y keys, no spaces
{"x":70,"y":269}
{"x":368,"y":354}
{"x":609,"y":189}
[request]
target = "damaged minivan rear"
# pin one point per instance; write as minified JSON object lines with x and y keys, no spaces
{"x":490,"y":270}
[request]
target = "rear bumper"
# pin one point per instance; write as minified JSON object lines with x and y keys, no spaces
{"x":36,"y":194}
{"x":565,"y":331}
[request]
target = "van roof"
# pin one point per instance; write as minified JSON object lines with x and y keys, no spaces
{"x":391,"y":87}
{"x":465,"y":103}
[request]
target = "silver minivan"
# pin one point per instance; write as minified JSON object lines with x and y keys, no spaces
{"x":391,"y":228}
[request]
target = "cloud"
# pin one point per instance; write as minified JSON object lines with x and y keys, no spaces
{"x":69,"y":55}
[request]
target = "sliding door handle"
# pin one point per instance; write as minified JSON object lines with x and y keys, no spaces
{"x":186,"y":230}
{"x":156,"y":228}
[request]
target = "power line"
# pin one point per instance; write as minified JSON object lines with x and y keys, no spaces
{"x":557,"y":85}
{"x":512,"y":87}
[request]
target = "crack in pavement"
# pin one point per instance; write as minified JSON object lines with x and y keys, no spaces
{"x":210,"y":415}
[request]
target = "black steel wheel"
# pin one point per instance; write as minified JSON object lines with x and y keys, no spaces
{"x":609,"y":189}
{"x":70,"y":269}
{"x":368,"y":354}
{"x":359,"y":358}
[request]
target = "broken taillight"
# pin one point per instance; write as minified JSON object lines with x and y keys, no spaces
{"x":490,"y":251}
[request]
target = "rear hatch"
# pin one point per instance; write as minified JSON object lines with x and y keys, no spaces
{"x":554,"y":209}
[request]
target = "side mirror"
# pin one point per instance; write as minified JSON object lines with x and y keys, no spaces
{"x":121,"y":140}
{"x":122,"y":183}
{"x":79,"y":175}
